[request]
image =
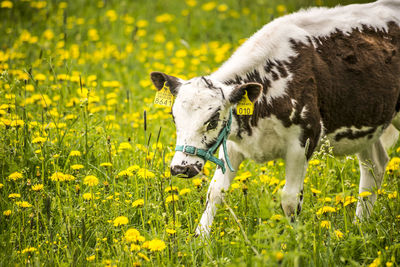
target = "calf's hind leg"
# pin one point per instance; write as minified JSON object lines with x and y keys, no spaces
{"x":372,"y":161}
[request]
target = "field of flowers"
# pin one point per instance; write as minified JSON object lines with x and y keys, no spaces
{"x":84,"y":152}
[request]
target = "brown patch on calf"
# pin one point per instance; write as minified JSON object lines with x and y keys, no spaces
{"x":350,"y":79}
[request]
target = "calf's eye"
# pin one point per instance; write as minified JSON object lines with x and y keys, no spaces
{"x":212,"y":125}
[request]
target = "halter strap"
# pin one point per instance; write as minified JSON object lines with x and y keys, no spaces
{"x":208,"y":154}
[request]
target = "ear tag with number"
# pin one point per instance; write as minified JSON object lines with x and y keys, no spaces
{"x":245,"y":106}
{"x":164,"y":97}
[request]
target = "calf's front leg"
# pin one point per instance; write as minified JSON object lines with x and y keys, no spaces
{"x":296,"y":166}
{"x":219,"y":183}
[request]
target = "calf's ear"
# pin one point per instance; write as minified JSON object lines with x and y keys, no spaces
{"x":159,"y":79}
{"x":253,"y":92}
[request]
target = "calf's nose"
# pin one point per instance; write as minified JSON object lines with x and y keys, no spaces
{"x":187,"y":171}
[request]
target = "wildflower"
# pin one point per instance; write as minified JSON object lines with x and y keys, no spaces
{"x":125,"y":173}
{"x":276,"y":217}
{"x":348,"y":200}
{"x":28,"y":250}
{"x":7,"y":213}
{"x":144,"y":173}
{"x":243,"y":177}
{"x":338,"y":234}
{"x":279,"y":255}
{"x":143,"y":256}
{"x":393,"y":165}
{"x":138,"y":203}
{"x":75,"y":153}
{"x":87,"y":196}
{"x":14,"y":195}
{"x":365,"y":194}
{"x":1,"y":185}
{"x":171,"y":198}
{"x":133,"y":235}
{"x":57,"y":177}
{"x":326,"y":209}
{"x":375,"y":263}
{"x":38,"y":140}
{"x":91,"y":258}
{"x":106,"y":164}
{"x":209,"y":6}
{"x":91,"y":180}
{"x":76,"y":167}
{"x":156,"y":245}
{"x":235,"y":186}
{"x":15,"y":176}
{"x":37,"y":187}
{"x":171,"y":188}
{"x":124,"y":146}
{"x":315,"y":191}
{"x":184,"y":191}
{"x":326,"y":224}
{"x":133,"y":168}
{"x":23,"y":204}
{"x":134,"y":247}
{"x":121,"y":220}
{"x":197,"y":182}
{"x":170,"y":231}
{"x":392,"y":195}
{"x":6,"y":4}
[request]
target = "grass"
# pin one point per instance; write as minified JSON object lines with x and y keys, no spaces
{"x":84,"y":153}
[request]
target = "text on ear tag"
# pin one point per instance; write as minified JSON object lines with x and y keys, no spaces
{"x":245,"y":106}
{"x":164,"y":97}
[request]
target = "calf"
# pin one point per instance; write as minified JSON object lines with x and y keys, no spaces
{"x":315,"y":73}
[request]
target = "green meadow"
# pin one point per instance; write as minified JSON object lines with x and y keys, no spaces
{"x":85,"y":153}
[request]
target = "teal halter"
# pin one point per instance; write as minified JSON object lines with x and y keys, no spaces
{"x":208,"y":154}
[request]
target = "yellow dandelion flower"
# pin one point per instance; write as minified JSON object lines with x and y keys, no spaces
{"x":76,"y":167}
{"x":145,"y":174}
{"x":197,"y":182}
{"x":276,"y":217}
{"x":235,"y":186}
{"x":141,"y":255}
{"x":156,"y":245}
{"x":170,"y":231}
{"x":1,"y":185}
{"x":171,"y":198}
{"x":57,"y":177}
{"x":15,"y":176}
{"x":75,"y":153}
{"x":91,"y":180}
{"x":171,"y":188}
{"x":37,"y":187}
{"x":326,"y":209}
{"x":7,"y":213}
{"x":338,"y":234}
{"x":326,"y":224}
{"x":38,"y":140}
{"x":6,"y":4}
{"x":348,"y":200}
{"x":14,"y":195}
{"x":124,"y":146}
{"x":184,"y":191}
{"x":134,"y":247}
{"x":120,"y":220}
{"x":365,"y":194}
{"x":208,"y":6}
{"x":133,"y":235}
{"x":91,"y":258}
{"x":315,"y":191}
{"x":23,"y":204}
{"x":138,"y":203}
{"x":279,"y":255}
{"x":125,"y":173}
{"x":106,"y":164}
{"x":87,"y":196}
{"x":28,"y":250}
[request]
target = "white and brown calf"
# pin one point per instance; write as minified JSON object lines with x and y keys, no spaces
{"x":315,"y":73}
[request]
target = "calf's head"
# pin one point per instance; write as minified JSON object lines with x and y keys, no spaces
{"x":200,"y":112}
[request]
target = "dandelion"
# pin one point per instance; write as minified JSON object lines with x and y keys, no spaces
{"x":38,"y":140}
{"x":75,"y":153}
{"x":87,"y":196}
{"x":338,"y":234}
{"x":133,"y":235}
{"x":325,"y":209}
{"x":37,"y":187}
{"x":315,"y":191}
{"x":6,"y":4}
{"x":14,"y":195}
{"x":365,"y":194}
{"x":91,"y":258}
{"x":15,"y":176}
{"x":124,"y":146}
{"x":76,"y":167}
{"x":184,"y":191}
{"x":279,"y":255}
{"x":326,"y":224}
{"x":171,"y":198}
{"x":134,"y":247}
{"x":348,"y":200}
{"x":138,"y":203}
{"x":235,"y":186}
{"x":106,"y":164}
{"x":170,"y":231}
{"x":7,"y":213}
{"x":125,"y":173}
{"x":91,"y":180}
{"x":197,"y":182}
{"x":145,"y":174}
{"x":156,"y":245}
{"x":392,"y":195}
{"x":209,"y":6}
{"x":141,"y":255}
{"x":121,"y":220}
{"x":57,"y":177}
{"x":393,"y":164}
{"x":276,"y":217}
{"x":23,"y":204}
{"x":171,"y":188}
{"x":1,"y":185}
{"x":28,"y":250}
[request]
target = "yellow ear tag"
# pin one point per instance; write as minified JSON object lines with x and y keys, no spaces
{"x":245,"y":106}
{"x":164,"y":97}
